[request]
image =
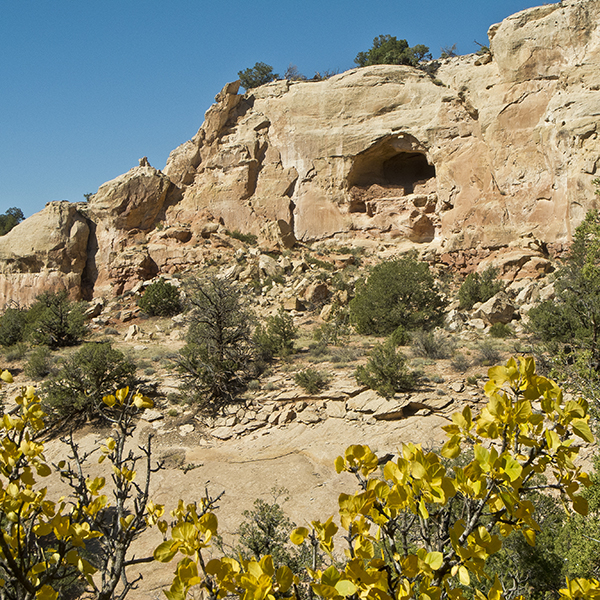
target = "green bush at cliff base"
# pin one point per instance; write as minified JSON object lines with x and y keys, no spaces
{"x":161,"y":299}
{"x":55,"y":321}
{"x":85,"y":378}
{"x":399,"y":292}
{"x":479,"y":288}
{"x":13,"y":324}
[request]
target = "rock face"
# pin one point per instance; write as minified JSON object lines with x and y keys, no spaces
{"x":497,"y":151}
{"x":121,"y":214}
{"x":48,"y":251}
{"x":481,"y":156}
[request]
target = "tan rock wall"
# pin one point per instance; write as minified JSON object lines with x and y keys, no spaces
{"x":47,"y":251}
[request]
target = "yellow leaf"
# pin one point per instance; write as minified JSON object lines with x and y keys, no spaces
{"x":298,"y":535}
{"x":6,"y":376}
{"x":417,"y":470}
{"x":434,"y":560}
{"x":582,"y":429}
{"x":580,"y":505}
{"x":451,"y":448}
{"x":459,"y":420}
{"x":141,"y":401}
{"x":529,"y":535}
{"x":209,"y":522}
{"x":340,"y":464}
{"x":109,"y":400}
{"x":122,"y":394}
{"x":266,"y":564}
{"x":43,"y":470}
{"x":187,"y":571}
{"x":512,"y":468}
{"x":285,"y":578}
{"x":463,"y":575}
{"x":46,"y":593}
{"x":345,"y":588}
{"x":166,"y":551}
{"x":185,"y":532}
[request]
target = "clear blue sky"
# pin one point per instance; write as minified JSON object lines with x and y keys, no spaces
{"x":88,"y":88}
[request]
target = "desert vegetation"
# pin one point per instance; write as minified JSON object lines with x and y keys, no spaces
{"x":11,"y":218}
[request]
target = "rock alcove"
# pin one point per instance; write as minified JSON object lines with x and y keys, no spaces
{"x":392,"y":168}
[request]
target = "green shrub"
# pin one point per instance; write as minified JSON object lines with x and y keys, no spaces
{"x":386,"y":371}
{"x":257,"y":75}
{"x":161,"y":299}
{"x":320,"y":264}
{"x":387,"y":50}
{"x":460,"y":362}
{"x":219,"y":357}
{"x":488,"y":353}
{"x":11,"y":218}
{"x":247,"y":238}
{"x":318,"y":350}
{"x":345,"y":355}
{"x":397,"y":292}
{"x":13,"y":324}
{"x":555,"y":322}
{"x":277,"y":337}
{"x":479,"y":288}
{"x":400,"y":337}
{"x":500,"y":330}
{"x":336,"y":330}
{"x":55,"y":321}
{"x":429,"y":344}
{"x":16,"y":351}
{"x":311,"y":380}
{"x":266,"y":530}
{"x":77,"y":389}
{"x":39,"y":364}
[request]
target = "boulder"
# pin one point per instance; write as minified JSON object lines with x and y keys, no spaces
{"x":498,"y":309}
{"x":268,"y":266}
{"x":46,"y":252}
{"x":316,"y":292}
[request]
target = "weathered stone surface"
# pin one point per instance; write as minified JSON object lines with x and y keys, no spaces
{"x":46,"y":252}
{"x":316,"y":292}
{"x":430,"y":164}
{"x":498,"y":309}
{"x":336,"y":410}
{"x":269,"y":267}
{"x":123,"y":211}
{"x":308,"y":415}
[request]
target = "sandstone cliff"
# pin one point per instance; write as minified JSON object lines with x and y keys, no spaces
{"x":497,"y":151}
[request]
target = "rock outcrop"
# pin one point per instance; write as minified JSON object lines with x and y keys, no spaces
{"x":122,"y":213}
{"x":46,"y":252}
{"x":495,"y":151}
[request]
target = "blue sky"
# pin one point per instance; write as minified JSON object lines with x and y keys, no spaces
{"x":88,"y":88}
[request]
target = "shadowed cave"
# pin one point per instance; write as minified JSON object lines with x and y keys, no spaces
{"x":392,"y":167}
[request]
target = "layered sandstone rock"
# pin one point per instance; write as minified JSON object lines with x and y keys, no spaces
{"x":496,"y":153}
{"x":121,"y":214}
{"x":488,"y":152}
{"x":48,"y":251}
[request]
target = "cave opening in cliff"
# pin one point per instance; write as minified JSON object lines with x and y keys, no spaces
{"x":407,"y":169}
{"x":390,"y":168}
